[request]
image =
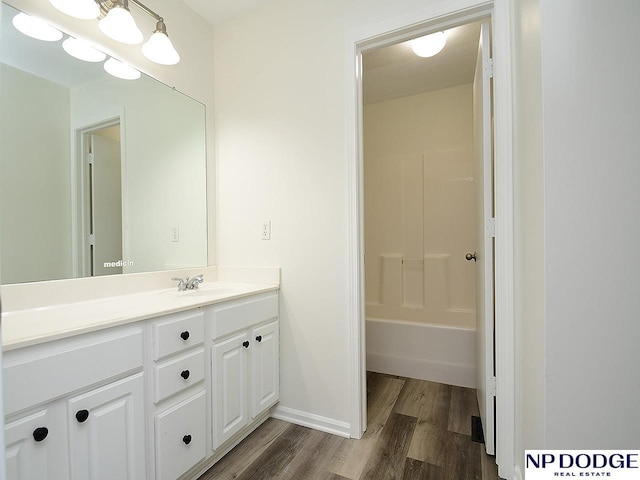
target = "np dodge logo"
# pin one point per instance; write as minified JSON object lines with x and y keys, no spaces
{"x":611,"y":464}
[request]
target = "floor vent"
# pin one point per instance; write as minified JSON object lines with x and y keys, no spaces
{"x":477,"y":435}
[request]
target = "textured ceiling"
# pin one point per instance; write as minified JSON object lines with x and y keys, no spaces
{"x":395,"y":71}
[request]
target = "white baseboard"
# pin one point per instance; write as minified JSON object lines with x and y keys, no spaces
{"x":317,"y":422}
{"x":423,"y":369}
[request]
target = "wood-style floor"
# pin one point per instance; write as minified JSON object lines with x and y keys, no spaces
{"x":417,"y":430}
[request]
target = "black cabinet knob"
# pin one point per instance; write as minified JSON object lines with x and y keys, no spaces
{"x":245,"y":344}
{"x":185,"y":335}
{"x":185,"y":374}
{"x":186,"y":439}
{"x":40,"y":433}
{"x":259,"y":338}
{"x":82,"y":415}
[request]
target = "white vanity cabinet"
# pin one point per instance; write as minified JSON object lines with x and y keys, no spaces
{"x":161,"y":398}
{"x":74,"y":410}
{"x":245,"y":360}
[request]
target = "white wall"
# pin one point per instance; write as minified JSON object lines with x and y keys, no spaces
{"x":529,"y":250}
{"x":282,"y":156}
{"x":34,"y":189}
{"x":192,"y":37}
{"x":577,"y":169}
{"x":591,"y":153}
{"x":420,"y":215}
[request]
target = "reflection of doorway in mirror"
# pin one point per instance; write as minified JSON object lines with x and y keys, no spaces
{"x":101,"y":252}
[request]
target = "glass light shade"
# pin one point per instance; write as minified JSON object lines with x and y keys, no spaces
{"x":429,"y":45}
{"x":84,"y":9}
{"x":82,"y":51}
{"x":120,"y":26}
{"x":36,"y":28}
{"x":121,"y":70}
{"x":159,"y":49}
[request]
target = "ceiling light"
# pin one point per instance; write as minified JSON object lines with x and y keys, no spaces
{"x":36,"y":28}
{"x":120,"y":25}
{"x":429,"y":45}
{"x":121,"y":70}
{"x":159,"y":48}
{"x":84,"y":9}
{"x":82,"y":51}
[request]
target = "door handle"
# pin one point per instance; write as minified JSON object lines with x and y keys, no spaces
{"x":472,"y":256}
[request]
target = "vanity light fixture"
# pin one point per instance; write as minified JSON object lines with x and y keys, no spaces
{"x":121,"y":70}
{"x":36,"y":28}
{"x":120,"y":25}
{"x":429,"y":45}
{"x":82,"y":50}
{"x":159,"y":48}
{"x":117,"y":22}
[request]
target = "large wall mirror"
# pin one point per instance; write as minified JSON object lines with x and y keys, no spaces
{"x":98,"y":175}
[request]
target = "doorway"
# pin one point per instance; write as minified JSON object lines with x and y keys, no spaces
{"x":99,"y":165}
{"x":435,"y":18}
{"x":425,"y":170}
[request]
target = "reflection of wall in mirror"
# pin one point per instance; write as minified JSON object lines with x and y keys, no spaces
{"x":164,"y":174}
{"x":35,"y":225}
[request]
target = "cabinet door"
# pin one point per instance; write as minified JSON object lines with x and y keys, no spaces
{"x":230,"y":386}
{"x":35,"y":446}
{"x":181,"y":439}
{"x":107,"y":433}
{"x":265,"y":368}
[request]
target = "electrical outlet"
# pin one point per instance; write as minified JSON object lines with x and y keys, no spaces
{"x":175,"y":234}
{"x":265,"y":231}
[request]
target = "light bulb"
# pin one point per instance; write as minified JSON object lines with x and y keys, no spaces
{"x":82,"y":51}
{"x":159,"y":49}
{"x":36,"y":28}
{"x":84,"y":9}
{"x":120,"y":26}
{"x":121,"y":70}
{"x":429,"y":45}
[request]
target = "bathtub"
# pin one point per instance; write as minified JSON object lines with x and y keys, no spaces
{"x":437,"y":353}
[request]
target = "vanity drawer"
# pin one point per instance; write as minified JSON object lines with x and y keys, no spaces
{"x":36,"y":374}
{"x":177,"y":332}
{"x":180,"y":437}
{"x":234,"y":316}
{"x":169,"y":378}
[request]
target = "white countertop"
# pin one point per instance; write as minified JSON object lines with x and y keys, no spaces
{"x":26,"y":327}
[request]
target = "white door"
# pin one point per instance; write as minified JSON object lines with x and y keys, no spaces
{"x":230,"y":378}
{"x":484,"y":271}
{"x":107,"y":432}
{"x":106,"y":199}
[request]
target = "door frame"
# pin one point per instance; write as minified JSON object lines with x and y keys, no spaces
{"x":80,"y":193}
{"x":445,"y":14}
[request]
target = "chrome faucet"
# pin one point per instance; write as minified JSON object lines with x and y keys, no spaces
{"x":192,"y":284}
{"x":188,"y":283}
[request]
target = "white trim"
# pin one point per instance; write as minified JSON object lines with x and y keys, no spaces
{"x":445,"y":13}
{"x":504,"y":259}
{"x":311,"y":420}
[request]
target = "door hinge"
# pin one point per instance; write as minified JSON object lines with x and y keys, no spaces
{"x":491,"y":386}
{"x":488,"y":68}
{"x":92,"y":239}
{"x":90,"y":158}
{"x":491,"y":228}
